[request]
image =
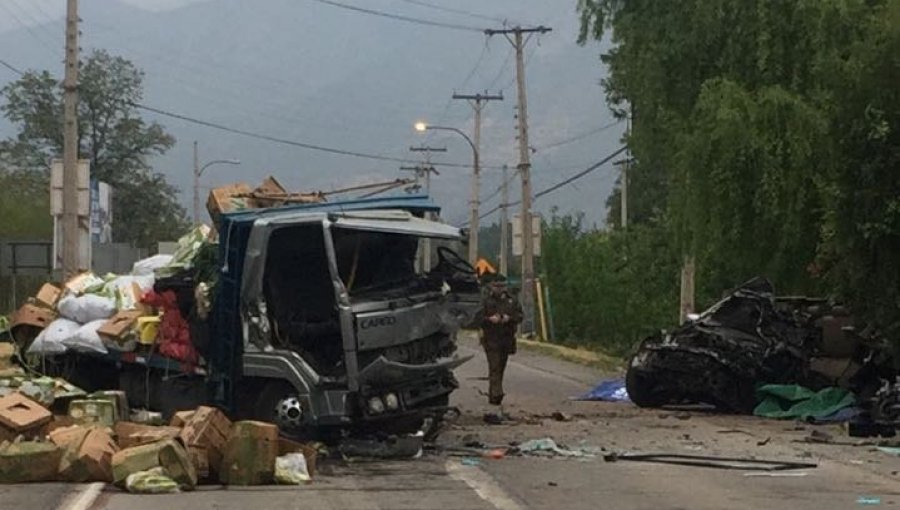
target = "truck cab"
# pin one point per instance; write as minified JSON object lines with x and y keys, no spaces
{"x":329,"y":315}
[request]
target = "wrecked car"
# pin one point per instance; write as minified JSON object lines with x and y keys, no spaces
{"x":748,"y":338}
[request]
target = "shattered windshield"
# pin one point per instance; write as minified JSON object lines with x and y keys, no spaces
{"x":373,"y":261}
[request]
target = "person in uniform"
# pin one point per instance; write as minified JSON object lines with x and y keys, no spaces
{"x":499,"y":318}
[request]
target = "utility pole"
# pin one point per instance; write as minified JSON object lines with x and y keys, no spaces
{"x":427,"y":169}
{"x":196,"y":185}
{"x":528,"y":287}
{"x":477,"y":101}
{"x":687,"y":287}
{"x":623,"y":192}
{"x":504,"y":224}
{"x":70,"y":234}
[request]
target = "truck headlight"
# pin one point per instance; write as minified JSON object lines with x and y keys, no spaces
{"x":376,"y":406}
{"x":391,"y":401}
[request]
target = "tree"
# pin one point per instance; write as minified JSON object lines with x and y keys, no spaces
{"x":112,"y":135}
{"x":766,"y":137}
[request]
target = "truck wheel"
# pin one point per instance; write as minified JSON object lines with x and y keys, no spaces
{"x":278,"y":403}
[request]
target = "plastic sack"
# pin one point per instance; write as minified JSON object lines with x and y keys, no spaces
{"x":86,"y":338}
{"x":152,"y":481}
{"x":127,"y":290}
{"x":146,"y":267}
{"x":50,"y":340}
{"x":291,"y":469}
{"x":86,"y":308}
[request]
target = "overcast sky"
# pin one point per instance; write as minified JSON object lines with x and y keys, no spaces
{"x":305,"y":71}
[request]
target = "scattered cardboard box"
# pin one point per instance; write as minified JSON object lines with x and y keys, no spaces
{"x":48,"y":295}
{"x":168,"y":454}
{"x":180,"y":418}
{"x":100,"y":411}
{"x":250,"y":454}
{"x":205,"y":433}
{"x":88,"y":453}
{"x":30,"y":461}
{"x":149,"y":434}
{"x":118,"y":398}
{"x":19,"y":413}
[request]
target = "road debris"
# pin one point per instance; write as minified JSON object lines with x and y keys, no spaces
{"x":611,"y":390}
{"x":868,"y":500}
{"x":735,"y":463}
{"x":291,"y":469}
{"x":547,"y":447}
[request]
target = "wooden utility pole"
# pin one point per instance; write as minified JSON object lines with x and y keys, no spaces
{"x":70,"y":235}
{"x":528,"y":287}
{"x":504,"y":224}
{"x":624,"y":193}
{"x":477,"y":101}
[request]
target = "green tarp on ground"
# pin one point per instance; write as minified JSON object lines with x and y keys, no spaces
{"x":793,"y":401}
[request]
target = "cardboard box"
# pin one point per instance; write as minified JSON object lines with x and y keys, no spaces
{"x":117,"y":397}
{"x":226,"y":199}
{"x":286,"y":446}
{"x":168,"y":454}
{"x":98,"y":411}
{"x":120,"y":324}
{"x":88,"y":453}
{"x":48,"y":295}
{"x":19,"y":413}
{"x":149,"y":434}
{"x":250,"y":454}
{"x":200,"y":458}
{"x":32,"y":315}
{"x":180,"y":418}
{"x":207,"y":428}
{"x":29,"y":462}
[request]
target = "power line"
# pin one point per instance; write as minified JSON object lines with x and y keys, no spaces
{"x":284,"y":141}
{"x":558,"y":185}
{"x":580,"y":136}
{"x":399,"y":17}
{"x":580,"y":174}
{"x":456,"y":11}
{"x":11,"y":67}
{"x":31,"y":31}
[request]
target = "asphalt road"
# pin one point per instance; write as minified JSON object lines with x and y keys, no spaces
{"x":536,"y":388}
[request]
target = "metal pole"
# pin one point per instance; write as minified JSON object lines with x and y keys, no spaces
{"x":196,"y":185}
{"x":71,"y":250}
{"x":504,"y":224}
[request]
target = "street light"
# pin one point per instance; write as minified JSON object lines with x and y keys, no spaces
{"x":473,"y":203}
{"x":198,"y":171}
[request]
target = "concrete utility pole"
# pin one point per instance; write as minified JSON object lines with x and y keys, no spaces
{"x":477,"y":101}
{"x":425,"y":170}
{"x":687,"y":287}
{"x":70,"y":238}
{"x":504,"y":224}
{"x":528,"y":287}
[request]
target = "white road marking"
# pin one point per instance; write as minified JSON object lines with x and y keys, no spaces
{"x":82,"y":497}
{"x":483,"y":485}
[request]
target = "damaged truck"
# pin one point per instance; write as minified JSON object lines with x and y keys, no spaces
{"x":752,"y":337}
{"x":324,"y":318}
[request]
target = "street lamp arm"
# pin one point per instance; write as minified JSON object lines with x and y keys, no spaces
{"x":458,"y":131}
{"x":215,"y":161}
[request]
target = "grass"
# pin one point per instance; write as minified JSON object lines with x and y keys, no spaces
{"x":582,"y":356}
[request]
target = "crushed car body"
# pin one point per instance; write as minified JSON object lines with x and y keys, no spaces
{"x":751,"y":338}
